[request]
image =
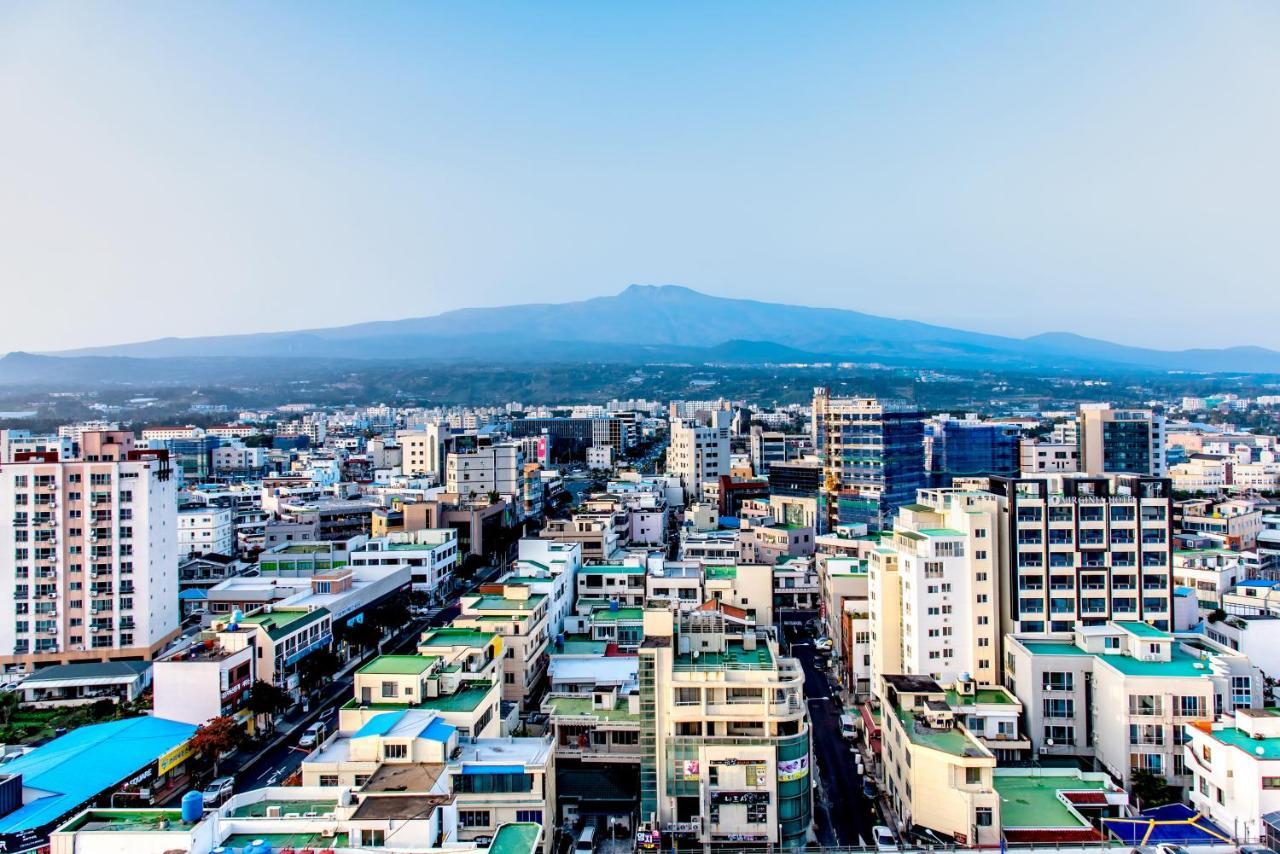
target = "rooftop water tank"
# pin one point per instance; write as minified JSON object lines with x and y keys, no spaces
{"x":192,"y":807}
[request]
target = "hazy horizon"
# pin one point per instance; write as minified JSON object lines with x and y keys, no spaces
{"x":199,"y":169}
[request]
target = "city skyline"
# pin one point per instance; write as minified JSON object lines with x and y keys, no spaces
{"x":921,"y":165}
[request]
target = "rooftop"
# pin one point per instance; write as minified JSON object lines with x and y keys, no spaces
{"x":982,"y":697}
{"x":716,"y":573}
{"x":77,"y":766}
{"x":399,"y":665}
{"x":1233,"y":737}
{"x":941,"y":532}
{"x":521,"y":838}
{"x":281,"y":621}
{"x":1032,"y":801}
{"x":1141,"y":630}
{"x":614,"y":615}
{"x":491,"y":602}
{"x":612,"y":569}
{"x":450,"y":636}
{"x":953,"y":741}
{"x":735,"y":657}
{"x":582,"y":706}
{"x":466,"y":699}
{"x":133,"y":821}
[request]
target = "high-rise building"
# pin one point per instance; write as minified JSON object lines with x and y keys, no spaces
{"x":1077,"y":551}
{"x":423,"y":451}
{"x":699,"y":453}
{"x":88,"y":554}
{"x":872,"y":455}
{"x":957,"y":448}
{"x":1121,"y":441}
{"x":767,"y":447}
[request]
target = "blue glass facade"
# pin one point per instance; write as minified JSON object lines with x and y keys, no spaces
{"x":970,"y":449}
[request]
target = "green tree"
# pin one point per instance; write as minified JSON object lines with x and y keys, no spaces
{"x":318,"y":667}
{"x":362,"y":635}
{"x":9,"y":703}
{"x":220,"y":735}
{"x":267,"y":700}
{"x":1150,"y":789}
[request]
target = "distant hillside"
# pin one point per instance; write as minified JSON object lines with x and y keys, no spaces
{"x":655,"y":323}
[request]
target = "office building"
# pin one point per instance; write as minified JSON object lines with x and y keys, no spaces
{"x":698,"y":453}
{"x":872,"y":455}
{"x":1121,"y":441}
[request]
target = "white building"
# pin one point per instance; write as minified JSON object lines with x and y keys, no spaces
{"x":491,"y":468}
{"x":1235,"y":769}
{"x":697,"y":454}
{"x":14,"y":442}
{"x":88,"y":555}
{"x":205,"y":530}
{"x":431,"y":555}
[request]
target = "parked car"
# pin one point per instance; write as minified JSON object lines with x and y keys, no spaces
{"x":884,"y":838}
{"x":218,"y":791}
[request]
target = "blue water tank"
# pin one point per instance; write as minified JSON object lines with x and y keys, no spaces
{"x":192,"y":807}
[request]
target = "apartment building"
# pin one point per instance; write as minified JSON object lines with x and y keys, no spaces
{"x":947,"y":565}
{"x":15,"y":442}
{"x":1122,"y":693}
{"x":1235,"y":771}
{"x":872,"y":456}
{"x":697,"y":454}
{"x":1122,"y":441}
{"x":552,"y":569}
{"x":724,"y":735}
{"x":88,"y":554}
{"x":519,"y":615}
{"x":423,"y":451}
{"x":486,"y":468}
{"x":205,"y":530}
{"x":1081,"y":550}
{"x":842,"y":585}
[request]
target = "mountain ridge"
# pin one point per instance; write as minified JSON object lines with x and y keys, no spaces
{"x":646,"y":321}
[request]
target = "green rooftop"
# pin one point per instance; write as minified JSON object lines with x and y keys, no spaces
{"x":1053,"y":648}
{"x":720,"y":573}
{"x":608,"y":615}
{"x":1028,"y":801}
{"x":133,"y":821}
{"x":941,"y":532}
{"x":1179,"y":664}
{"x":399,"y":665}
{"x":451,"y":636}
{"x":919,"y":508}
{"x":580,"y":645}
{"x":280,"y":622}
{"x":910,"y":535}
{"x":1141,"y":630}
{"x":612,"y":569}
{"x":582,"y":706}
{"x":258,"y":809}
{"x":953,"y":741}
{"x":735,"y":657}
{"x":491,"y":602}
{"x":519,"y":838}
{"x":305,"y":549}
{"x":1233,"y":737}
{"x":465,"y":700}
{"x":981,"y":697}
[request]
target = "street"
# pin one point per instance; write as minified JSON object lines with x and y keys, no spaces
{"x":842,"y":815}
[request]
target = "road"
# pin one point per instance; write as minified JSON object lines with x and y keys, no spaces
{"x":842,"y":815}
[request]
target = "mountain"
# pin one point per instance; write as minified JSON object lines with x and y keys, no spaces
{"x":671,"y":323}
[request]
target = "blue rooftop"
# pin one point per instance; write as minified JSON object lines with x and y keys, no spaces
{"x":1258,"y":582}
{"x":492,"y":769}
{"x":192,"y":593}
{"x":380,"y":724}
{"x":437,"y":730}
{"x":73,"y":768}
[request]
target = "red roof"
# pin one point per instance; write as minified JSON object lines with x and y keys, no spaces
{"x":1086,"y":798}
{"x":727,"y":610}
{"x":1084,"y":834}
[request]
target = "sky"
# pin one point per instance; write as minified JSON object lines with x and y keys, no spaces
{"x":177,"y":169}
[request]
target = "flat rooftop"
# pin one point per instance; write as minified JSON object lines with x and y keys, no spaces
{"x":1028,"y":801}
{"x":490,"y":602}
{"x":399,"y":665}
{"x":132,"y":821}
{"x":502,"y":751}
{"x":582,"y":706}
{"x":516,"y":838}
{"x":450,"y":636}
{"x":953,"y":741}
{"x":982,"y":697}
{"x":735,"y":657}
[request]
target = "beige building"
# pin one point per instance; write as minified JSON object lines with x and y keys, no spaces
{"x":724,"y":734}
{"x":520,"y":618}
{"x":88,"y":554}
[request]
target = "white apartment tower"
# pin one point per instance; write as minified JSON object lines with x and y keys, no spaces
{"x":88,"y":554}
{"x":699,"y":453}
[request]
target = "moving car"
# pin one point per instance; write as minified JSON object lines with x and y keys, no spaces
{"x":314,"y":735}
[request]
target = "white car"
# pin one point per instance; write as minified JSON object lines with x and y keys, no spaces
{"x":313,"y":735}
{"x":218,"y":791}
{"x":884,"y":838}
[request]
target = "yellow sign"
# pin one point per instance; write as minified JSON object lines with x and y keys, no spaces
{"x":168,"y":761}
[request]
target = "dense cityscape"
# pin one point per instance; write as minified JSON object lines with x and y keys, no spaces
{"x":641,"y":625}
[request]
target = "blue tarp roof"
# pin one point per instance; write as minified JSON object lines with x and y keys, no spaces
{"x":492,"y":769}
{"x":73,"y":768}
{"x":437,"y":730}
{"x":193,"y":593}
{"x":1175,"y":823}
{"x":379,"y":724}
{"x":1258,"y":582}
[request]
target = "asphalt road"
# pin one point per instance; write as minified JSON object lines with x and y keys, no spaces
{"x":842,"y":815}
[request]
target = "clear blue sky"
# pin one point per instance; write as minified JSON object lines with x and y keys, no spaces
{"x":196,"y":168}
